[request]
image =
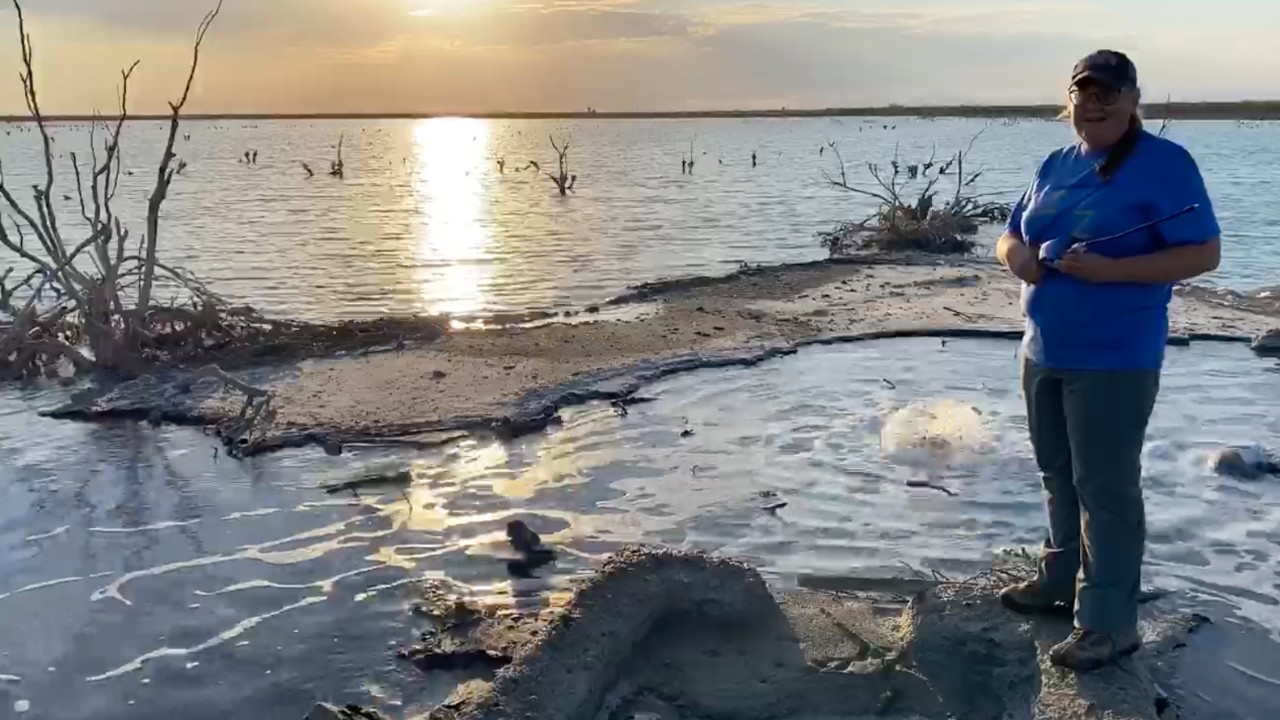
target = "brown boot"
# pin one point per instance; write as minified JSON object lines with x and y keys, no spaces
{"x":1030,"y":598}
{"x":1086,"y":651}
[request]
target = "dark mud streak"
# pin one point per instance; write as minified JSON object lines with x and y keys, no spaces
{"x":1219,"y":337}
{"x":646,"y":292}
{"x":843,"y":338}
{"x":539,"y":409}
{"x":623,"y":382}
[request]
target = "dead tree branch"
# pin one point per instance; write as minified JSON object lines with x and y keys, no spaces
{"x":908,"y":217}
{"x":1167,"y":118}
{"x":843,"y":182}
{"x":336,"y":167}
{"x":164,"y":174}
{"x":564,"y":182}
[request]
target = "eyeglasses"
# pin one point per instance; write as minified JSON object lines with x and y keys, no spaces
{"x":1101,"y":94}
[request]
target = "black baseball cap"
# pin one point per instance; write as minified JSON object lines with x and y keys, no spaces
{"x":1109,"y":67}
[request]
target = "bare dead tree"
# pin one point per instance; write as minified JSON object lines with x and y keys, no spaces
{"x":564,"y":182}
{"x":89,"y":301}
{"x":908,"y":216}
{"x":336,"y":167}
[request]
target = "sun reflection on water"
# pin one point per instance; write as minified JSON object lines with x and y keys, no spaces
{"x":453,"y":244}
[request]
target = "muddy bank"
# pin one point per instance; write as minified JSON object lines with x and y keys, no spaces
{"x":514,"y":380}
{"x":674,"y":635}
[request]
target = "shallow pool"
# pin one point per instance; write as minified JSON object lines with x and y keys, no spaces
{"x":144,"y":576}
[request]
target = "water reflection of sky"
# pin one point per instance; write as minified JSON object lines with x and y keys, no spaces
{"x":143,"y":571}
{"x":425,"y":220}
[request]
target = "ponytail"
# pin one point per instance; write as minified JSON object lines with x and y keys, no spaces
{"x":1121,"y":151}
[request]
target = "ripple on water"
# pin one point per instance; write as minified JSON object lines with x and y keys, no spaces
{"x":168,"y":559}
{"x":425,"y":222}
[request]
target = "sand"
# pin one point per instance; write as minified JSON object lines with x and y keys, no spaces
{"x":485,"y":371}
{"x":515,"y":379}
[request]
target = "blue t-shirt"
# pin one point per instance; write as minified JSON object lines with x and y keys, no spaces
{"x":1077,"y":325}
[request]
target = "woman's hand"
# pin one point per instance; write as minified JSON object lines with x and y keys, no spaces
{"x":1090,"y":267}
{"x":1021,"y":260}
{"x":1026,"y":265}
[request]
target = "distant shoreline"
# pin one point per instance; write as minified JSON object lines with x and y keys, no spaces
{"x":1244,"y":110}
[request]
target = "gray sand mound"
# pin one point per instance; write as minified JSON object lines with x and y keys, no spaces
{"x":680,"y":635}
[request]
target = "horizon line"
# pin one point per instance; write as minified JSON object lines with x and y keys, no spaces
{"x":1208,"y":110}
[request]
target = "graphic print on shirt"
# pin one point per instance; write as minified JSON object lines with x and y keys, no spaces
{"x":1084,"y":220}
{"x":1046,"y":206}
{"x":1062,"y":209}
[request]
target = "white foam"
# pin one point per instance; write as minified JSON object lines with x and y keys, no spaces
{"x":235,"y":631}
{"x":51,"y":583}
{"x":935,"y":433}
{"x":51,"y":533}
{"x":146,"y":528}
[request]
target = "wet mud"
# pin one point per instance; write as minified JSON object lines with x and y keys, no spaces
{"x":684,"y":635}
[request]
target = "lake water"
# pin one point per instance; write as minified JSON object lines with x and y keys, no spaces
{"x":144,"y":578}
{"x":425,"y":222}
{"x":141,"y":576}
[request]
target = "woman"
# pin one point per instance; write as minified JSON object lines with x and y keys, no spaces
{"x":1097,"y":322}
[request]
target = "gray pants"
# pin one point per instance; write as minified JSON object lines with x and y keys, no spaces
{"x":1087,"y":430}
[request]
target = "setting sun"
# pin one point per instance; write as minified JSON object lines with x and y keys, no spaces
{"x":428,"y":8}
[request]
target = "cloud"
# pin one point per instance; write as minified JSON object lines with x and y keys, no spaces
{"x":289,"y":22}
{"x":346,"y":23}
{"x":819,"y":56}
{"x":343,"y":26}
{"x":475,"y":55}
{"x":548,"y":25}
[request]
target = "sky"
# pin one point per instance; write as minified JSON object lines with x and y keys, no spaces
{"x":440,"y":56}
